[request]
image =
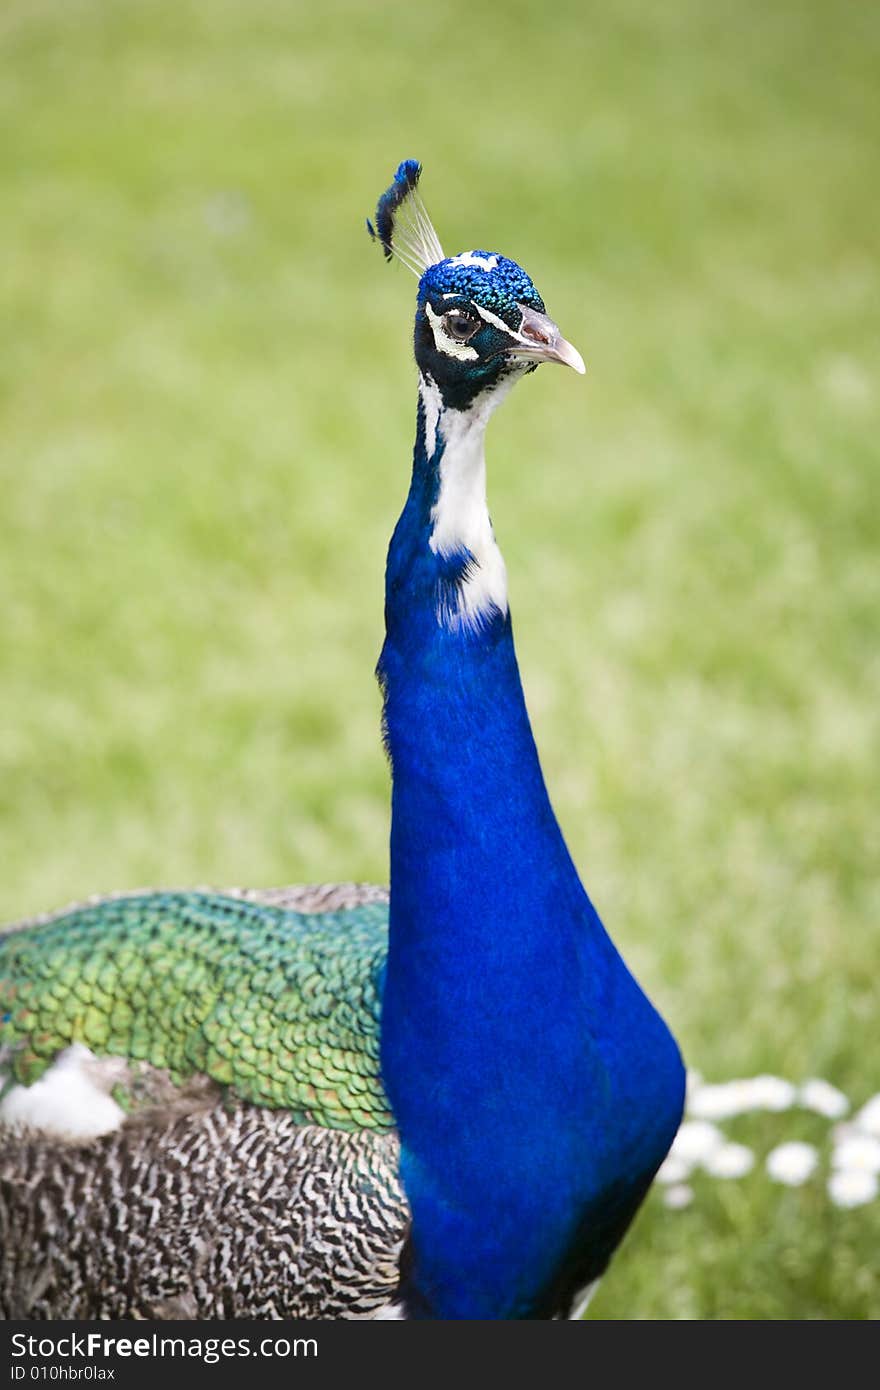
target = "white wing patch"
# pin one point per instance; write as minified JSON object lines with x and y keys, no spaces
{"x":71,"y":1099}
{"x":389,"y":1311}
{"x":582,"y":1300}
{"x":473,"y":259}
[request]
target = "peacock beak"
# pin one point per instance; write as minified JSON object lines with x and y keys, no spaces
{"x":541,"y":341}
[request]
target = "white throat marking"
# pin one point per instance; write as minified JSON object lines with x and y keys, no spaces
{"x":460,"y":518}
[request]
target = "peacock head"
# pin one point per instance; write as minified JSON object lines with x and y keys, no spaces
{"x":480,"y":322}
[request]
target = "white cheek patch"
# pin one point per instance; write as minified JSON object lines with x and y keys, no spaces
{"x":71,"y":1099}
{"x":444,"y":343}
{"x":478,"y":262}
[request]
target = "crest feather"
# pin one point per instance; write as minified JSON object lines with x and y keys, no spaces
{"x":403,"y":226}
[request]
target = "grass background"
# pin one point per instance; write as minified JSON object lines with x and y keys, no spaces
{"x":207,"y":403}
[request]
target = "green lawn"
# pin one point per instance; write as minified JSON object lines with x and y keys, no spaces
{"x":207,"y":405}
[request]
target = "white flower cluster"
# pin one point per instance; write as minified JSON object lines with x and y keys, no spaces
{"x":700,"y":1144}
{"x":855,"y":1166}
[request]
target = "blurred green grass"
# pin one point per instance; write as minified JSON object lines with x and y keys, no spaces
{"x":207,"y":408}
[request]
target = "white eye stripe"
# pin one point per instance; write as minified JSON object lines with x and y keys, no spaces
{"x":488,"y":317}
{"x":444,"y":343}
{"x":485,"y":314}
{"x":497,"y":322}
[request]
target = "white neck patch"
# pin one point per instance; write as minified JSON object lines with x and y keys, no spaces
{"x":460,"y":517}
{"x":432,"y":404}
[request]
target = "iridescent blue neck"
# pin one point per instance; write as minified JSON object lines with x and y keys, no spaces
{"x":504,"y":996}
{"x":444,"y":566}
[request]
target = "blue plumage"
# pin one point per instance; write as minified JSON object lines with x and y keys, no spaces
{"x":502,"y":289}
{"x":405,"y":182}
{"x":535,"y":1088}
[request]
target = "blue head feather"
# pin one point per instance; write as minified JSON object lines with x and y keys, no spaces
{"x":483,"y":288}
{"x":495,"y":280}
{"x":403,"y":227}
{"x":488,"y":278}
{"x":405,"y":182}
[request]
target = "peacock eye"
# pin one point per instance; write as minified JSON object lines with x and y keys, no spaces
{"x":461,"y":326}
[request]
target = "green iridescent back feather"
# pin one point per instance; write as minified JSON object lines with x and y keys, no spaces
{"x":281,"y":1007}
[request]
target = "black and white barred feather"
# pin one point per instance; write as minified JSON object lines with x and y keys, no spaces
{"x":198,"y":1208}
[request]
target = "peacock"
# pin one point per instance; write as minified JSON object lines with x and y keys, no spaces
{"x":443,"y":1101}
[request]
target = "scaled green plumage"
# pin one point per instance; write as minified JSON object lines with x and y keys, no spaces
{"x":280,"y":1006}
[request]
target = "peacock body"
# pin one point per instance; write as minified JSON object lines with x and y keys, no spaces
{"x":446,"y":1103}
{"x":215,"y":1141}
